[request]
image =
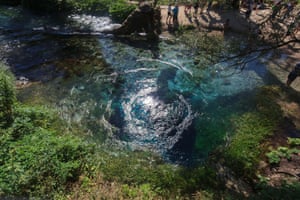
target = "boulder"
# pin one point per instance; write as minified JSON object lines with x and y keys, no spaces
{"x":146,"y":18}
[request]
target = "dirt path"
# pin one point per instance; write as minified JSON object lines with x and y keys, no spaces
{"x":215,"y":18}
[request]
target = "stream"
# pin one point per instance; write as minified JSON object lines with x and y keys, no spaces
{"x":145,"y":96}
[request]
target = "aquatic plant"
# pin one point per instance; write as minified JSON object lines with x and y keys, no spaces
{"x":140,"y":168}
{"x":244,"y":151}
{"x":215,"y":126}
{"x":211,"y":132}
{"x":208,"y":48}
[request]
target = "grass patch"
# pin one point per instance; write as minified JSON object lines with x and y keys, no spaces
{"x":251,"y":129}
{"x":140,"y":168}
{"x":287,"y":191}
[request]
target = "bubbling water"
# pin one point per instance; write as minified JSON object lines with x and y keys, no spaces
{"x":154,"y":124}
{"x":93,"y":23}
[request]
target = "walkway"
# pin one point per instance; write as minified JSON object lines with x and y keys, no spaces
{"x":214,"y":19}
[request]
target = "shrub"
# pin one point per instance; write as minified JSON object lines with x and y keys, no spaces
{"x":40,"y":163}
{"x":294,"y":141}
{"x":275,"y":156}
{"x":35,"y":159}
{"x":7,"y":96}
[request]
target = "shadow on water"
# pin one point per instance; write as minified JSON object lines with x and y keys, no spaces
{"x":140,"y":42}
{"x":43,"y":58}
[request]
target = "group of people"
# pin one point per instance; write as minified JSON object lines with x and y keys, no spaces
{"x":173,"y":12}
{"x":172,"y":16}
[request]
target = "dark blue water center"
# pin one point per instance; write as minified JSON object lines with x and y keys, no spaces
{"x":150,"y":96}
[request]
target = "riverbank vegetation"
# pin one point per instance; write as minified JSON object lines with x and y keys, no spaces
{"x":36,"y":156}
{"x":41,"y":159}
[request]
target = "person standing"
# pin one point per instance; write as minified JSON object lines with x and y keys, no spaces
{"x":249,"y":9}
{"x":175,"y":14}
{"x":169,"y":17}
{"x":188,"y":8}
{"x":293,"y":74}
{"x":196,"y":7}
{"x":209,"y":6}
{"x":226,"y":25}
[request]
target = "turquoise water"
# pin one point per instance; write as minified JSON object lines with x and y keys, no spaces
{"x":135,"y":94}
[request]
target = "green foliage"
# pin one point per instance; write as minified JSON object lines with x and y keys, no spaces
{"x":286,"y":191}
{"x":7,"y":96}
{"x":266,"y":103}
{"x":251,"y":129}
{"x":294,"y":141}
{"x":182,"y":30}
{"x":40,"y":163}
{"x":140,"y":168}
{"x":211,"y":132}
{"x":244,"y":150}
{"x":209,"y":48}
{"x":27,"y":119}
{"x":120,"y":10}
{"x":143,"y":191}
{"x":40,"y":116}
{"x":275,"y":156}
{"x":91,"y":5}
{"x":263,"y":180}
{"x":34,"y":158}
